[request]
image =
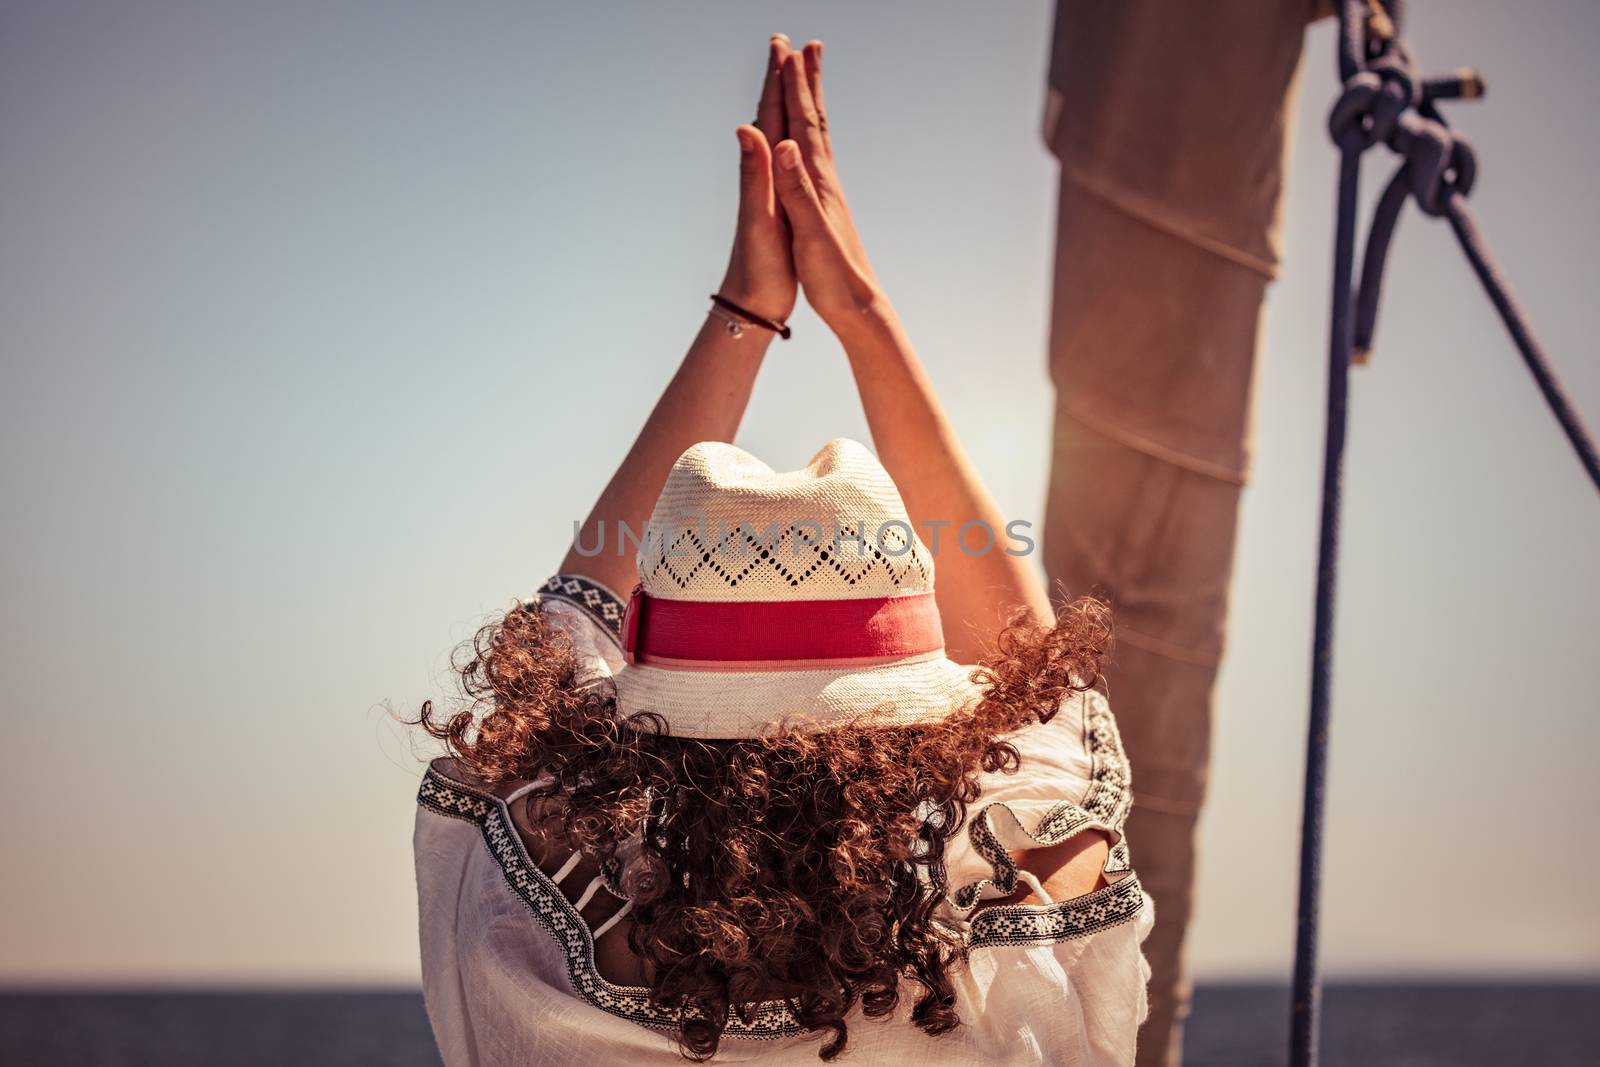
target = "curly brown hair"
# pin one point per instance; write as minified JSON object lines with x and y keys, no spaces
{"x":802,"y":866}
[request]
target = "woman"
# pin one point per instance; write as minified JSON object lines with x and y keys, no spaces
{"x":759,"y":811}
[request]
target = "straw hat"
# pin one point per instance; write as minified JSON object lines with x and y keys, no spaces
{"x":803,"y":598}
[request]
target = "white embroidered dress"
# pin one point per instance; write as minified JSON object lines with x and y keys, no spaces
{"x":508,"y":962}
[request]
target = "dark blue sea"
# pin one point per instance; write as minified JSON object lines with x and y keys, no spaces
{"x":1414,"y":1025}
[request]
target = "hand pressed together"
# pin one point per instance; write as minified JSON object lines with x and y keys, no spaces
{"x":794,"y":221}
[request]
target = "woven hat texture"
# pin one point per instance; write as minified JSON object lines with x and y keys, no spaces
{"x":728,"y":528}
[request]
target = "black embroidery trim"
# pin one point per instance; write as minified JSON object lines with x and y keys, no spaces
{"x":1033,"y":924}
{"x":589,"y":597}
{"x":445,"y":796}
{"x":1105,"y":806}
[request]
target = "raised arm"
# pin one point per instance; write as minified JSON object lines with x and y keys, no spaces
{"x":976,"y":589}
{"x":706,"y":398}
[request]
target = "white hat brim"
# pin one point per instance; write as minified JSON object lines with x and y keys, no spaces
{"x":730,"y":704}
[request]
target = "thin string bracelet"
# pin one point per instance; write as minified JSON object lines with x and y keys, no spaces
{"x":725,"y":309}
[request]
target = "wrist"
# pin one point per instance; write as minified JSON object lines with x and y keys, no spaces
{"x":770,"y":302}
{"x":870,"y":320}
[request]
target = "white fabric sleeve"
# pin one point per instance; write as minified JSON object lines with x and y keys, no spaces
{"x":444,"y":847}
{"x":1072,"y":776}
{"x":592,"y":615}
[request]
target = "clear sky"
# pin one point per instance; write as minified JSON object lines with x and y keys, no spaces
{"x":320,"y":323}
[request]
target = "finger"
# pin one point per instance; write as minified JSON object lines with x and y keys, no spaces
{"x":770,"y":109}
{"x":756,"y":203}
{"x":797,"y":192}
{"x":813,"y":58}
{"x":805,"y":129}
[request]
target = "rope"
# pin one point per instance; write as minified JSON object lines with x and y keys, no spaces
{"x":1383,"y":102}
